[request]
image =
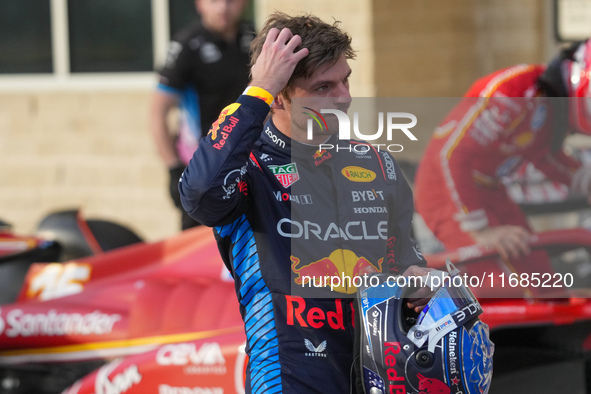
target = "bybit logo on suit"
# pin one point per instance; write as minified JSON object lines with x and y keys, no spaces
{"x":394,"y":122}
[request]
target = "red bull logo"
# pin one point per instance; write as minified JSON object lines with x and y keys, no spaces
{"x":395,"y":383}
{"x":320,"y":156}
{"x":319,"y":153}
{"x":229,"y":110}
{"x":227,"y":129}
{"x":432,"y":386}
{"x":338,"y":271}
{"x":299,"y":314}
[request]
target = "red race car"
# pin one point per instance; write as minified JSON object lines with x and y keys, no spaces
{"x":163,"y":318}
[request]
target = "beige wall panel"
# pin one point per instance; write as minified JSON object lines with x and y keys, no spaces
{"x":438,"y":48}
{"x":426,"y":48}
{"x":87,"y":150}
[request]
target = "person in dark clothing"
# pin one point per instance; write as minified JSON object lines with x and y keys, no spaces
{"x":206,"y":68}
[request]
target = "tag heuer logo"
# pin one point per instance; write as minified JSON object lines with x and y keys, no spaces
{"x":287,"y":174}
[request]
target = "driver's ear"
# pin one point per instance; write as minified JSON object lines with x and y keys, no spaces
{"x":278,"y":103}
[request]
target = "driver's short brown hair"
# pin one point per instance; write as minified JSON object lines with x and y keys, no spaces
{"x":326,"y":43}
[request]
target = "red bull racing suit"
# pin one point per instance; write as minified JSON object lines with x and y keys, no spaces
{"x":287,"y":215}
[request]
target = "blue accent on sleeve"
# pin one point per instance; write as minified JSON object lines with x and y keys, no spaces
{"x":168,"y":89}
{"x":191,"y":111}
{"x":259,"y":319}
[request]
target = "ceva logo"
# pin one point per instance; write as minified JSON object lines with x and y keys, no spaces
{"x":344,"y":131}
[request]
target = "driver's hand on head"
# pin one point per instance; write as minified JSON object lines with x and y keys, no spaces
{"x":420,"y":297}
{"x":277,"y":60}
{"x":510,"y":241}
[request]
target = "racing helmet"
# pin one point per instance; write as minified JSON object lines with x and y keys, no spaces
{"x":446,"y":349}
{"x":577,"y":73}
{"x":568,"y":75}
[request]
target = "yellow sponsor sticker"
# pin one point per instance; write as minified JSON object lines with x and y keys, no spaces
{"x":524,"y":139}
{"x":358,"y":174}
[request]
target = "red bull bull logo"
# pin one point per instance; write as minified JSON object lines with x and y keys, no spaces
{"x":320,"y":156}
{"x":338,"y":271}
{"x":432,"y":386}
{"x":229,"y":110}
{"x":319,"y":153}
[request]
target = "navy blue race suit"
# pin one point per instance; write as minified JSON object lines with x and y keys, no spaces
{"x":285,"y":211}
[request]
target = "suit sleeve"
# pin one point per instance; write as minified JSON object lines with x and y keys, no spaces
{"x":479,"y":122}
{"x":214,"y":186}
{"x":403,"y":250}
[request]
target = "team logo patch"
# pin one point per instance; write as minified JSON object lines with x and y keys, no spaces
{"x":320,"y":156}
{"x":539,"y":117}
{"x":287,"y":175}
{"x":333,"y":270}
{"x":210,"y":53}
{"x":524,"y":139}
{"x":358,"y":174}
{"x":315,"y":351}
{"x":229,"y":110}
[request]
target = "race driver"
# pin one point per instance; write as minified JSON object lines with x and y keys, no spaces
{"x":284,"y":210}
{"x":506,"y":118}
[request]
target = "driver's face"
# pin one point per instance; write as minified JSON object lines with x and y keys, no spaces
{"x":327,"y":88}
